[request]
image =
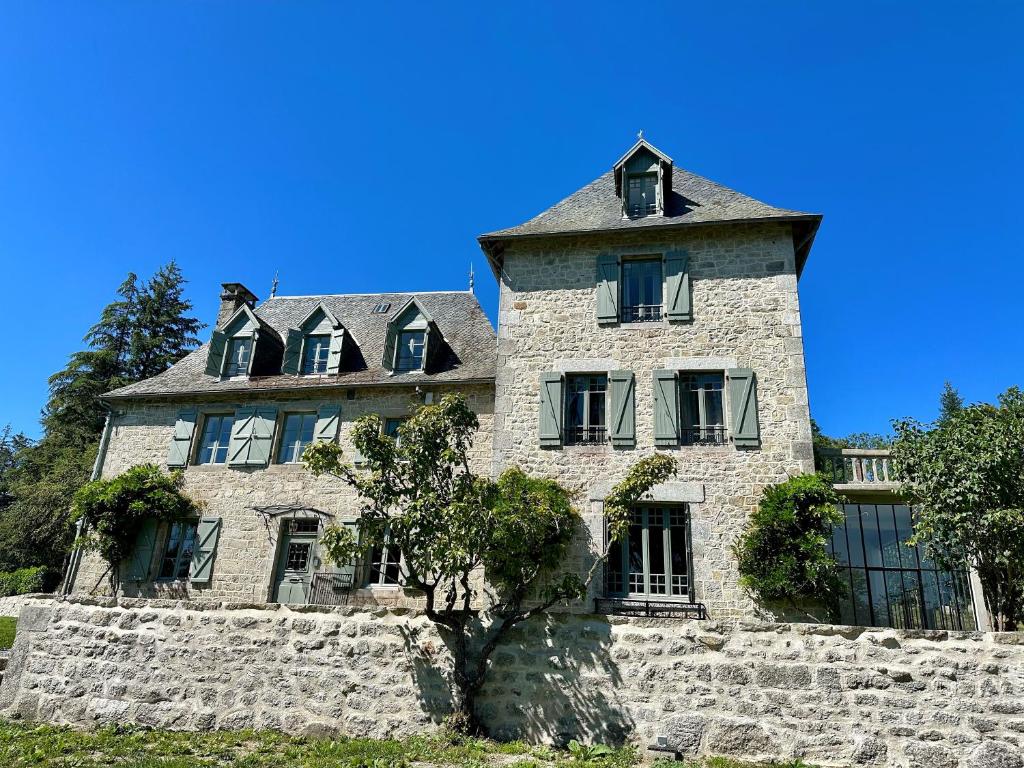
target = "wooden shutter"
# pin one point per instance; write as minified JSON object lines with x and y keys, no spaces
{"x":328,"y":417}
{"x":142,"y":553}
{"x":215,"y":354}
{"x":623,"y":418}
{"x":207,"y":534}
{"x":390,"y":340}
{"x":551,"y":409}
{"x":677,"y":286}
{"x":666,"y":408}
{"x":292,"y":362}
{"x":350,"y":568}
{"x":334,"y":354}
{"x":181,"y":442}
{"x":743,"y":418}
{"x":607,"y":289}
{"x":252,"y":437}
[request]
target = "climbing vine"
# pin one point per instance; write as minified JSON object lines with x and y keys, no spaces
{"x":113,"y":510}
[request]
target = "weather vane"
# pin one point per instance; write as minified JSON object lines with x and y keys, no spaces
{"x":640,"y":135}
{"x":273,"y":286}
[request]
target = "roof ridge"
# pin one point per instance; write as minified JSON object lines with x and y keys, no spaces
{"x":377,"y":293}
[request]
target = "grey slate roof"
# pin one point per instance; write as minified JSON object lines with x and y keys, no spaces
{"x":466,"y":330}
{"x":694,"y":200}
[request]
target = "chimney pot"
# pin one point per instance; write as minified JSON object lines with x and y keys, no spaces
{"x":233,"y":296}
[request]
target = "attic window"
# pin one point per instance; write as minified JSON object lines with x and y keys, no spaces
{"x":239,"y":351}
{"x":381,"y":308}
{"x":642,"y":199}
{"x":411,"y":345}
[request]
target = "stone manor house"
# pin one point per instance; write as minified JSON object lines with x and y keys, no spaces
{"x":651,"y":310}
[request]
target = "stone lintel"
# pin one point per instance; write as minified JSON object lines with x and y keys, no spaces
{"x":671,"y":491}
{"x":700,"y":363}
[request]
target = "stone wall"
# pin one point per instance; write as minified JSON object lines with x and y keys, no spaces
{"x":836,"y":696}
{"x":244,"y":563}
{"x":746,"y":313}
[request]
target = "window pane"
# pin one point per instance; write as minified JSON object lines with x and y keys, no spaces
{"x":187,"y":548}
{"x":636,"y":556}
{"x":410,"y":350}
{"x":238,"y":357}
{"x":316,"y":351}
{"x":384,"y":565}
{"x":713,"y":412}
{"x":854,"y":535}
{"x":585,"y":409}
{"x":297,"y":558}
{"x":216,"y":438}
{"x":879,"y":603}
{"x":168,"y":565}
{"x":615,"y":575}
{"x":296,"y":436}
{"x":680,"y":559}
{"x":904,"y":530}
{"x":888,"y":540}
{"x":641,"y":290}
{"x":658,"y":579}
{"x":869,"y":526}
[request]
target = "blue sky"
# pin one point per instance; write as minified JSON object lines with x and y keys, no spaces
{"x":363,"y":148}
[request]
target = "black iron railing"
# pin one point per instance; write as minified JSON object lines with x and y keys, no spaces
{"x":586,"y":435}
{"x":630,"y":606}
{"x":704,"y":436}
{"x":641,"y":313}
{"x":330,"y":588}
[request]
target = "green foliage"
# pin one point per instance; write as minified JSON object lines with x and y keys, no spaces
{"x":590,"y":753}
{"x":628,"y":492}
{"x":823,"y":443}
{"x":114,"y":509}
{"x":965,"y":478}
{"x":23,"y":581}
{"x":8,"y":627}
{"x":950,"y":403}
{"x":782,"y":554}
{"x":138,"y":335}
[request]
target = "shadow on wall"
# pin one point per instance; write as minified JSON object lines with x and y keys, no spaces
{"x":553,"y":679}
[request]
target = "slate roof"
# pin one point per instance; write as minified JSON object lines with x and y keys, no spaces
{"x":466,"y":330}
{"x":694,"y":201}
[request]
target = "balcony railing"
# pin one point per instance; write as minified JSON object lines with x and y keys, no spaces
{"x":641,"y":313}
{"x":626,"y":606}
{"x":716,"y":435}
{"x":859,"y":468}
{"x":586,"y":435}
{"x":330,"y":588}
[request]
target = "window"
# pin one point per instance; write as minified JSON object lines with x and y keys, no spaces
{"x":642,"y":196}
{"x":654,"y":560}
{"x":295,"y":437}
{"x":384,"y":568}
{"x":409,"y":356}
{"x":216,"y":436}
{"x":315,"y":353}
{"x":701,"y":409}
{"x":891,"y":584}
{"x":641,"y":290}
{"x":177,"y":559}
{"x":585,"y":409}
{"x":391,"y":426}
{"x":237,"y":359}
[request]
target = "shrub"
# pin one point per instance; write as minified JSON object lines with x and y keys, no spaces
{"x":23,"y":581}
{"x":783,"y":553}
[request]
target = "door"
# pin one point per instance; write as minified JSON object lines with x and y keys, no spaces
{"x":295,"y":561}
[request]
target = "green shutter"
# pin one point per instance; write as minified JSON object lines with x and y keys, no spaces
{"x":292,"y":352}
{"x":181,"y":443}
{"x":388,"y":361}
{"x":252,"y":437}
{"x":349,"y":569}
{"x":334,"y":354}
{"x":743,"y":421}
{"x":677,"y":286}
{"x":142,"y":553}
{"x":607,"y":289}
{"x":207,"y":533}
{"x":328,"y":417}
{"x":666,"y":408}
{"x":215,"y":354}
{"x":623,"y":418}
{"x":550,"y":409}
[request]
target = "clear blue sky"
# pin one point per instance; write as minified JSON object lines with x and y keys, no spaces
{"x":362,"y":147}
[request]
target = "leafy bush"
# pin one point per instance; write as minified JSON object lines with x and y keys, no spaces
{"x":23,"y":581}
{"x":7,"y":629}
{"x":114,"y":509}
{"x":783,"y":553}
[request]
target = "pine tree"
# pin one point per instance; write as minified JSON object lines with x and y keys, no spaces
{"x":164,"y":332}
{"x":950,"y":403}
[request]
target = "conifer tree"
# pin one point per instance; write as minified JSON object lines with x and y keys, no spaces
{"x":164,"y":332}
{"x":950,"y":403}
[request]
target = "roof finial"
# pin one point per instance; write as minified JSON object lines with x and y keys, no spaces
{"x":640,"y":135}
{"x":273,"y":286}
{"x":471,"y":277}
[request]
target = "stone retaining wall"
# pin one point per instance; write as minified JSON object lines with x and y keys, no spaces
{"x":837,"y":696}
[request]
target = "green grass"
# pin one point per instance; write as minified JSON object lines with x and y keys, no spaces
{"x":44,"y":745}
{"x":7,"y":625}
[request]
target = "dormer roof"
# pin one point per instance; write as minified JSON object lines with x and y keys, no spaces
{"x":642,"y":146}
{"x":320,"y":308}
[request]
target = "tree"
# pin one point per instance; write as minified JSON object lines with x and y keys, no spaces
{"x":965,"y":479}
{"x":452,"y":527}
{"x":163,"y":332}
{"x":950,"y":403}
{"x":823,"y":444}
{"x":783,"y":553}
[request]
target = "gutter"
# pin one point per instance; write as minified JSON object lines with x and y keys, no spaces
{"x":75,"y":558}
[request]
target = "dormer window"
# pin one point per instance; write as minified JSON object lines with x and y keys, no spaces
{"x":643,"y":196}
{"x":238,"y":355}
{"x":316,"y":351}
{"x":411,"y":345}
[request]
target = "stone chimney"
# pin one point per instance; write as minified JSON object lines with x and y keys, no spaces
{"x":233,"y":296}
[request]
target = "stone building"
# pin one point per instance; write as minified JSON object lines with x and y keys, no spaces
{"x":652,"y":310}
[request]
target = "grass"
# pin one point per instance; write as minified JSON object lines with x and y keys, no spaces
{"x":45,"y":745}
{"x":7,"y":625}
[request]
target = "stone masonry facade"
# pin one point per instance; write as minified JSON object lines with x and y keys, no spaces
{"x":746,"y":312}
{"x":831,"y":695}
